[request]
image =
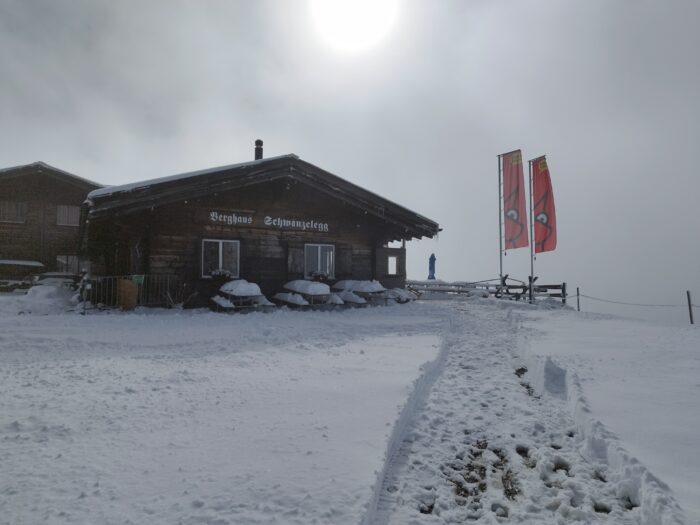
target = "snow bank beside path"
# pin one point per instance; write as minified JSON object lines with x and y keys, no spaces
{"x":640,"y":381}
{"x":404,"y":424}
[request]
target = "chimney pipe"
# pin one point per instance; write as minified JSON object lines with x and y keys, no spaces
{"x":258,"y":149}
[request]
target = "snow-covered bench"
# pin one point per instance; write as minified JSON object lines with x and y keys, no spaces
{"x":371,"y":291}
{"x":318,"y":296}
{"x":240,"y":295}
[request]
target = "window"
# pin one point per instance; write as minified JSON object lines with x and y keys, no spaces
{"x":67,"y":215}
{"x":319,"y":260}
{"x":13,"y":211}
{"x":391,"y":265}
{"x":220,"y":257}
{"x":68,"y":263}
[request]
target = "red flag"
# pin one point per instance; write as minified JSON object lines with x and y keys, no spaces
{"x":514,"y":215}
{"x":543,"y":207}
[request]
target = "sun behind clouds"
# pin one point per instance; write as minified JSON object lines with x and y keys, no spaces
{"x":353,"y":25}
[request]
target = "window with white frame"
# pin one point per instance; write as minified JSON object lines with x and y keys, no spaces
{"x":392,"y":265}
{"x":11,"y":211}
{"x":220,"y":257}
{"x":67,"y":215}
{"x":319,"y":260}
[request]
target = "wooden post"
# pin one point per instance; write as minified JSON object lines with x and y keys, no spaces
{"x":578,"y":299}
{"x":563,"y":293}
{"x":690,"y":307}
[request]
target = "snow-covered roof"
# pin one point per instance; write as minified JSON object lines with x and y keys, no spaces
{"x":42,"y":167}
{"x":125,"y":188}
{"x":19,"y":262}
{"x":149,"y":194}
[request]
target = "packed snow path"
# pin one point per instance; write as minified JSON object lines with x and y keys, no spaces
{"x":488,"y":448}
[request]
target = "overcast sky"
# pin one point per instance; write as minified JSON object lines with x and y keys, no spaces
{"x":608,"y":90}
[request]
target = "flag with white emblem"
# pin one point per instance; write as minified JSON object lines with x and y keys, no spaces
{"x":514,"y":214}
{"x":543,"y":207}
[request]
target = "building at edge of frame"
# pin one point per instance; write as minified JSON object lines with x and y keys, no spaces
{"x":40,"y":219}
{"x":268,"y":221}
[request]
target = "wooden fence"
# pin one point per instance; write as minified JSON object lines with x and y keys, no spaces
{"x":518,"y":291}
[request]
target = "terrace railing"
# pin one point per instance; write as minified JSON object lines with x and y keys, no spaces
{"x":127,"y":291}
{"x":491,"y":287}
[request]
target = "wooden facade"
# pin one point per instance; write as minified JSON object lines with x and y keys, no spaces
{"x":275,"y":213}
{"x":40,"y":215}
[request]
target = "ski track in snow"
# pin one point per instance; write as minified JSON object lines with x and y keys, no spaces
{"x":489,"y":448}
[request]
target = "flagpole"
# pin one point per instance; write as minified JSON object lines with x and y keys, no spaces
{"x":532,"y":237}
{"x":500,"y":224}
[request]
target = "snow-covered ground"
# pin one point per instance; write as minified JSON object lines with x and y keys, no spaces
{"x":202,"y":417}
{"x":642,"y":379}
{"x":401,"y":414}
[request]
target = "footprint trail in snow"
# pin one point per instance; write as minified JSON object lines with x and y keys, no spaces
{"x":486,"y":448}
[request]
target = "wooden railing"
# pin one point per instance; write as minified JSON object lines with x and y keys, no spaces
{"x":516,"y":291}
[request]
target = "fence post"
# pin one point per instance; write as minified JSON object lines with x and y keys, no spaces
{"x":690,"y":307}
{"x":563,"y":293}
{"x":578,"y":299}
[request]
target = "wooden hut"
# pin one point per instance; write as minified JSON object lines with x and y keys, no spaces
{"x":268,"y":221}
